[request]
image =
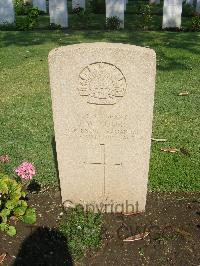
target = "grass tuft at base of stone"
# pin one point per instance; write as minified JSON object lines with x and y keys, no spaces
{"x":83,"y":231}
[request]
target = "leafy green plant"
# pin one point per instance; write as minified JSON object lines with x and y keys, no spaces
{"x":54,"y":26}
{"x":195,"y":23}
{"x":138,"y":7}
{"x":82,"y":230}
{"x":146,"y":16}
{"x":78,"y":10}
{"x":30,"y":21}
{"x":113,"y":23}
{"x":13,"y":204}
{"x":32,"y":18}
{"x":21,"y":8}
{"x":97,"y":6}
{"x":83,"y":16}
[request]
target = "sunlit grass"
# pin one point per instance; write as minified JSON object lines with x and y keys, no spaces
{"x":26,"y":124}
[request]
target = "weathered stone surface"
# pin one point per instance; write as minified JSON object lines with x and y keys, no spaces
{"x":156,"y":2}
{"x":40,"y":4}
{"x":115,"y":8}
{"x":102,"y":97}
{"x":7,"y":15}
{"x":78,"y":3}
{"x":172,"y":10}
{"x":198,"y":7}
{"x":58,"y":12}
{"x":189,"y":2}
{"x":125,"y":3}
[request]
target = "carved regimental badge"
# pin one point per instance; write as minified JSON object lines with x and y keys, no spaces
{"x":102,"y":84}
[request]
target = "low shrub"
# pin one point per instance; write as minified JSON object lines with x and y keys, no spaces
{"x":30,"y":22}
{"x":54,"y":26}
{"x":113,"y":23}
{"x":82,"y":230}
{"x":97,"y":6}
{"x":138,"y":6}
{"x":188,"y":10}
{"x":83,"y":16}
{"x":146,"y":16}
{"x":13,"y":205}
{"x":195,"y":23}
{"x":13,"y":200}
{"x":77,"y":10}
{"x":21,"y":8}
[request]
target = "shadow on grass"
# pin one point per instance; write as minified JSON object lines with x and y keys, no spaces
{"x":46,"y":247}
{"x":171,"y":47}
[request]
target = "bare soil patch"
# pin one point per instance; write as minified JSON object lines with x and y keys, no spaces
{"x":172,"y":220}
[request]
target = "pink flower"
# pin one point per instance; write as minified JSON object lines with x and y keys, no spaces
{"x":26,"y":170}
{"x":4,"y":158}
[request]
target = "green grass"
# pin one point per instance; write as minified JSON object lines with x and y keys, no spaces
{"x":25,"y":104}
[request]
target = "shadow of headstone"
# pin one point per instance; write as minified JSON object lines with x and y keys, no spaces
{"x":44,"y":247}
{"x":53,"y":144}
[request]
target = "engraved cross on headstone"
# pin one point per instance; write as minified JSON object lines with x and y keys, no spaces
{"x":103,"y":162}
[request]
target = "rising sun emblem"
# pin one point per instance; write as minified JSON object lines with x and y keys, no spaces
{"x":102,"y":84}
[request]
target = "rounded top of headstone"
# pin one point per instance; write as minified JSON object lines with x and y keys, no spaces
{"x":101,"y":45}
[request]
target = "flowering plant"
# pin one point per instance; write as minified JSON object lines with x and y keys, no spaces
{"x":4,"y":158}
{"x":25,"y":170}
{"x":13,"y":201}
{"x":13,"y":205}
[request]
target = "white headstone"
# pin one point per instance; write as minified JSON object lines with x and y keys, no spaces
{"x":78,"y":3}
{"x":125,"y":5}
{"x":172,"y":11}
{"x":156,"y":2}
{"x":115,"y":8}
{"x":40,"y":4}
{"x":7,"y":15}
{"x":58,"y":12}
{"x":189,"y":2}
{"x":198,"y":7}
{"x":102,"y":97}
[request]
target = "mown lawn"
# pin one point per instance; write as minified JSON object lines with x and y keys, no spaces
{"x":26,"y":124}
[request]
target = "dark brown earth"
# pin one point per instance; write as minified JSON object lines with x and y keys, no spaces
{"x":172,"y":220}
